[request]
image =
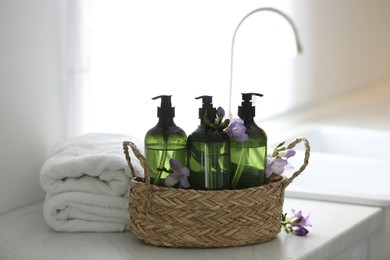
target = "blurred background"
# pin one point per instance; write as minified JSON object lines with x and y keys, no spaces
{"x":77,"y":66}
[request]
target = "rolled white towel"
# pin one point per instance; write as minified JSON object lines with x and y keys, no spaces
{"x":93,"y":163}
{"x":85,"y":212}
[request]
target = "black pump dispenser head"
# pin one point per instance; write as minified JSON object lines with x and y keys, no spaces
{"x":166,"y":110}
{"x":246,"y":110}
{"x":207,"y":106}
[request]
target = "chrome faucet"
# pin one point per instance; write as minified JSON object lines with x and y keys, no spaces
{"x":297,"y":42}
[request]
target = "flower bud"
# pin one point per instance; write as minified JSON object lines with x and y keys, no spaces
{"x":220,"y":112}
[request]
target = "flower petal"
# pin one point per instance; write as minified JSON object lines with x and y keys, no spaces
{"x":300,"y":231}
{"x":289,"y":153}
{"x":172,"y":179}
{"x":241,"y":138}
{"x":289,"y":166}
{"x":175,"y":165}
{"x":237,"y":130}
{"x":220,"y":112}
{"x":303,"y":219}
{"x":268,"y":172}
{"x":277,"y":165}
{"x":184,"y":171}
{"x":184,"y":182}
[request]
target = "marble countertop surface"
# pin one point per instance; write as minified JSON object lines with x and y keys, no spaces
{"x":336,"y":227}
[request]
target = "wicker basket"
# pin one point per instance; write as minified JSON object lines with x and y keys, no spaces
{"x":164,"y":216}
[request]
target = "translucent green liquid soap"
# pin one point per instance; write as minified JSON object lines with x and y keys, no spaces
{"x":208,"y":152}
{"x":248,"y":159}
{"x":164,"y":141}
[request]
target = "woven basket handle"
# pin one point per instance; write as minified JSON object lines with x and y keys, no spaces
{"x":139,"y":156}
{"x":305,"y":160}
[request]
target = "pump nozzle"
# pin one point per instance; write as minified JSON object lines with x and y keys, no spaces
{"x":246,"y":109}
{"x":248,"y":96}
{"x":165,"y":110}
{"x":206,"y":101}
{"x":207,"y":106}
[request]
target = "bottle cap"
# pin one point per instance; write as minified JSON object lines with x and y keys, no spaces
{"x":165,"y":110}
{"x":246,"y":109}
{"x":207,"y":107}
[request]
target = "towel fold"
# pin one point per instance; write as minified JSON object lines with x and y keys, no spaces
{"x":86,"y":212}
{"x":87,"y":183}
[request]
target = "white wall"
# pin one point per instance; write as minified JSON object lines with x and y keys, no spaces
{"x":346,"y":46}
{"x":31,"y":114}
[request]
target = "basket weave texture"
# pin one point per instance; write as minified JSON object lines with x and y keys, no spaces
{"x":164,"y":216}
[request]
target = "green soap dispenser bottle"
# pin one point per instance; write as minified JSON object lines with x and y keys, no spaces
{"x":248,"y":159}
{"x":208,"y":152}
{"x":164,"y":141}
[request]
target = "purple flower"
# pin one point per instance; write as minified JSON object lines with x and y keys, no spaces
{"x":299,"y":219}
{"x":287,"y":153}
{"x":296,"y":223}
{"x":300,"y":231}
{"x":236,"y":129}
{"x":219,"y":118}
{"x":277,"y":162}
{"x":175,"y":165}
{"x":220,"y":113}
{"x":275,"y":165}
{"x":180,"y":175}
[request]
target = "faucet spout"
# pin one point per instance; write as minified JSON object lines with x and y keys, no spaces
{"x":297,"y":42}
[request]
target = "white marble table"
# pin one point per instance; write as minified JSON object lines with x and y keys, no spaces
{"x":336,"y":228}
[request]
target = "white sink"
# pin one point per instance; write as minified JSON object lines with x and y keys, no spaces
{"x":346,"y":165}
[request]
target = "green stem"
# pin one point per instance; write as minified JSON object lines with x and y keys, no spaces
{"x":208,"y":167}
{"x":162,"y":162}
{"x":240,"y":167}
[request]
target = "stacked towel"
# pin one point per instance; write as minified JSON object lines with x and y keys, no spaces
{"x":87,"y":183}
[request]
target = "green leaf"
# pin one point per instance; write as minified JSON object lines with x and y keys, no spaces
{"x":207,"y":121}
{"x":281,"y":144}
